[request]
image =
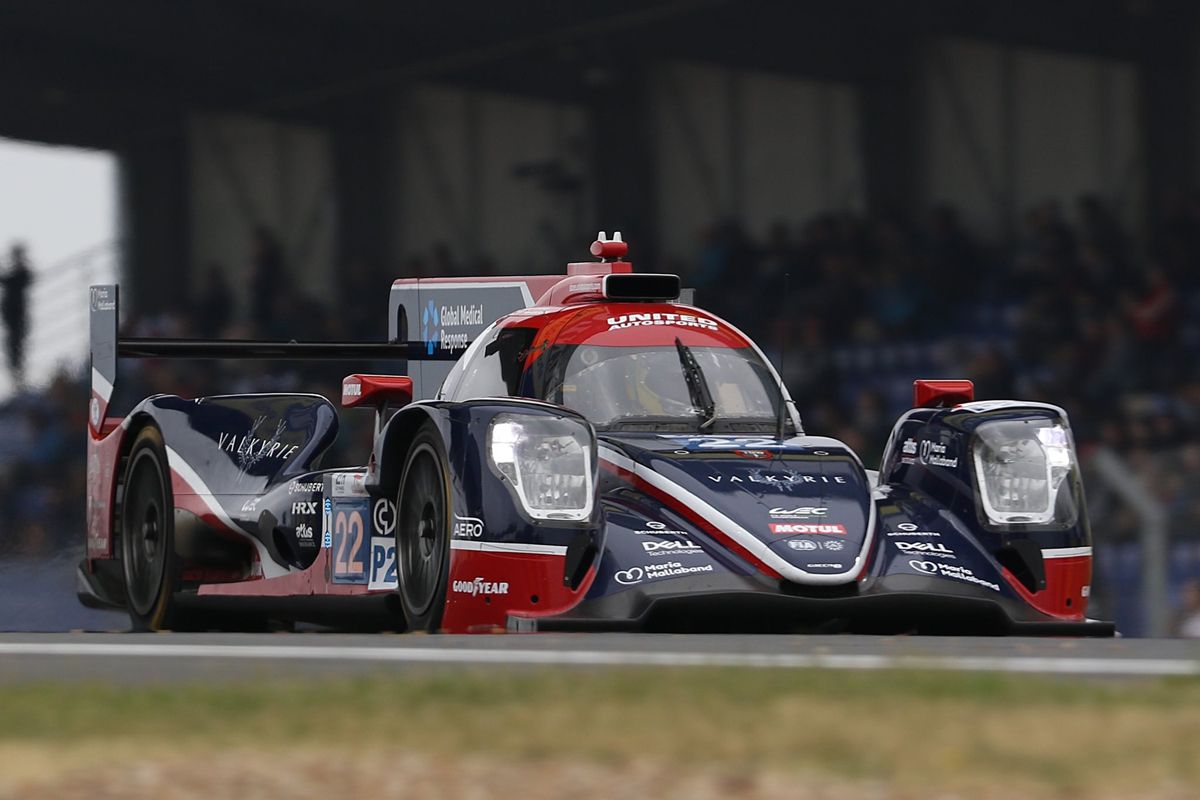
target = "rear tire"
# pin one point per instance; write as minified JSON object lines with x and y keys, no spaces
{"x":148,"y":558}
{"x":423,"y":531}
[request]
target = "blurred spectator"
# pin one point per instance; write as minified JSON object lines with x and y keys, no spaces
{"x":215,"y":305}
{"x":1188,"y":624}
{"x":267,"y":278}
{"x":14,"y":310}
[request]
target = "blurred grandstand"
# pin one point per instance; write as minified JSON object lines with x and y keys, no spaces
{"x":875,"y":191}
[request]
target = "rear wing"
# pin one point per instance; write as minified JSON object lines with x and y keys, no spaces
{"x":107,"y":348}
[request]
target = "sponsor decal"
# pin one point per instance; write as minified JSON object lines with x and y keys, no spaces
{"x":349,"y":484}
{"x":735,"y":443}
{"x":753,"y":454}
{"x":102,"y":299}
{"x":305,"y":535}
{"x":479,"y":586}
{"x":926,"y":548}
{"x":438,"y":324}
{"x":650,"y":572}
{"x":934,"y":454}
{"x":251,"y":449}
{"x":383,"y":515}
{"x":819,"y":565}
{"x":466,"y":527}
{"x":383,"y":563}
{"x":304,"y":507}
{"x":94,"y":412}
{"x":909,"y":448}
{"x":808,"y":544}
{"x":302,"y":487}
{"x":953,"y":571}
{"x":777,"y":478}
{"x":327,"y":531}
{"x":672,"y":547}
{"x":908,"y":529}
{"x":250,"y":506}
{"x":661,"y":318}
{"x":654,"y":528}
{"x":799,"y":512}
{"x":351,"y":390}
{"x":431,"y":333}
{"x":827,"y":528}
{"x":1086,"y":591}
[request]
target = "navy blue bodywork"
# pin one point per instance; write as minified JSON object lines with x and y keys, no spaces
{"x":775,"y":531}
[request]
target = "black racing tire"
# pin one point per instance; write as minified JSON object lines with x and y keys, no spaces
{"x":423,"y":531}
{"x":149,"y":563}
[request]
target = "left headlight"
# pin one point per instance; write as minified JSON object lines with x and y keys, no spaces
{"x":548,"y":461}
{"x":1021,"y":467}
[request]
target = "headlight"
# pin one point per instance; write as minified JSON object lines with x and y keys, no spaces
{"x":1021,"y":467}
{"x":548,"y":462}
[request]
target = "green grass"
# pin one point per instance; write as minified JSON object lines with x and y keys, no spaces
{"x":961,"y":730}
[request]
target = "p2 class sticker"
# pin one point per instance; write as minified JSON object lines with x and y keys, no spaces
{"x":383,"y":563}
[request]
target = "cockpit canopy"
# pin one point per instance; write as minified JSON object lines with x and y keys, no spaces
{"x":685,"y":381}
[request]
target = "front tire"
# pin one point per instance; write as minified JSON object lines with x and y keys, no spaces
{"x":148,"y":536}
{"x":423,"y":531}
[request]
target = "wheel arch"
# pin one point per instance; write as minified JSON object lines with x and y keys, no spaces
{"x":394,"y":441}
{"x":138,"y":421}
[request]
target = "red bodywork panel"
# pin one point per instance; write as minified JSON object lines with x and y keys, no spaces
{"x":629,"y":325}
{"x":522,"y":583}
{"x":1068,"y":582}
{"x":939,"y":394}
{"x":103,"y":456}
{"x":376,"y":390}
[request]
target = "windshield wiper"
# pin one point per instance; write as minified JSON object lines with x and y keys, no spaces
{"x":701,"y":397}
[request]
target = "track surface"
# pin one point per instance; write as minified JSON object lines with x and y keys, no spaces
{"x":206,"y":657}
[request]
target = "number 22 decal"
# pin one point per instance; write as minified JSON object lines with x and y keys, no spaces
{"x":345,"y":526}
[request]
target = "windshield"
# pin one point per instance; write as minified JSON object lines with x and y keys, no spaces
{"x":647,"y":388}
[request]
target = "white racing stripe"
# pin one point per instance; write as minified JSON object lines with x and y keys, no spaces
{"x":1066,"y":552}
{"x":200,"y":489}
{"x":454,"y":655}
{"x":751,"y":543}
{"x":509,"y":547}
{"x":101,"y":385}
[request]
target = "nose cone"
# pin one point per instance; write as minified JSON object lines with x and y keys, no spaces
{"x":805,"y":503}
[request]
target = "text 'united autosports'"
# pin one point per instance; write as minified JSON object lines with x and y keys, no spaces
{"x":573,"y":453}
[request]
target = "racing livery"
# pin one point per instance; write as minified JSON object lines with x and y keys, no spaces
{"x":586,"y":452}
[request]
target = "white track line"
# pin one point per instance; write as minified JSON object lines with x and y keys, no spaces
{"x":437,"y":655}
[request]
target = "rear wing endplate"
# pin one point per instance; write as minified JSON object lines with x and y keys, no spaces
{"x":107,"y":348}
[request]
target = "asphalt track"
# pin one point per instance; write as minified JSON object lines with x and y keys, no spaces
{"x":148,"y":658}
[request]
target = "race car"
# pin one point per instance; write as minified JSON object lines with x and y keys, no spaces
{"x":578,"y":452}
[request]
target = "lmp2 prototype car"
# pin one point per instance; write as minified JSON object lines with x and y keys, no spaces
{"x":573,"y":453}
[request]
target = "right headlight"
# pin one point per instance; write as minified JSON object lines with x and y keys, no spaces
{"x":1021,"y":467}
{"x":547,"y":461}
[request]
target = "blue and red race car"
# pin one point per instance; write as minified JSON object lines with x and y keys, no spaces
{"x":579,"y":452}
